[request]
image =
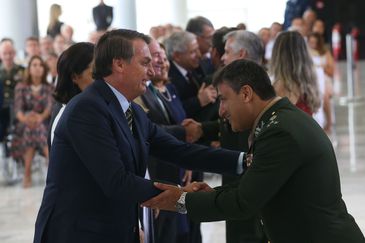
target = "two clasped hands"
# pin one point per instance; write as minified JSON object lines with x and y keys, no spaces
{"x":193,"y":130}
{"x":170,"y":194}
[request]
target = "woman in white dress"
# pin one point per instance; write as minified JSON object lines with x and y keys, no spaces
{"x":323,"y":61}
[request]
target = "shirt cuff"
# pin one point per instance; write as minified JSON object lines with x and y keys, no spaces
{"x":240,"y":163}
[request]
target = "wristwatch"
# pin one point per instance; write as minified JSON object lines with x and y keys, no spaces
{"x":180,"y":204}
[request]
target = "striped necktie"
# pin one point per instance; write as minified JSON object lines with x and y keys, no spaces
{"x":129,"y":117}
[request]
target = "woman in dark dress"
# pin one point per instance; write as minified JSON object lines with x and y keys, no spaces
{"x":54,"y":25}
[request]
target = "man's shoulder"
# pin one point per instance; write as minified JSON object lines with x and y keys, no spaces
{"x":174,"y":72}
{"x":89,"y":97}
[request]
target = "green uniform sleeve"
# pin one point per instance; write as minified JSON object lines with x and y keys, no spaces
{"x":275,"y":160}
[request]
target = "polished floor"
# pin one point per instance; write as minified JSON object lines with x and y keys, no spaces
{"x":18,"y":206}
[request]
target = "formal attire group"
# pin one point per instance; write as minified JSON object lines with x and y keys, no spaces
{"x":95,"y":179}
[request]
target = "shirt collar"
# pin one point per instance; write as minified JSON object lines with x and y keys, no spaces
{"x":121,"y":98}
{"x":182,"y":70}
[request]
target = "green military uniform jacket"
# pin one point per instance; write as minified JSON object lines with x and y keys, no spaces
{"x":9,"y":81}
{"x":293,"y":183}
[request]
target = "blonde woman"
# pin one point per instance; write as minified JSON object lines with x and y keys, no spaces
{"x":54,"y":25}
{"x":293,"y":74}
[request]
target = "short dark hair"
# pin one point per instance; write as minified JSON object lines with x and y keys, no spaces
{"x":245,"y":72}
{"x":74,"y":60}
{"x":115,"y":44}
{"x":32,"y":38}
{"x":5,"y":39}
{"x":196,"y":25}
{"x":218,"y":39}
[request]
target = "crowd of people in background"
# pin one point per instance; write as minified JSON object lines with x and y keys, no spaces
{"x":180,"y":97}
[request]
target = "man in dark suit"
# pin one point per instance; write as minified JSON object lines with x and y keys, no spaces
{"x":198,"y":98}
{"x":292,"y":178}
{"x":103,"y":16}
{"x":183,"y":52}
{"x":204,"y":30}
{"x":98,"y":157}
{"x":164,"y":108}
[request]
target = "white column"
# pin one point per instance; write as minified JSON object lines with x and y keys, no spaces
{"x":18,"y":20}
{"x":125,"y":14}
{"x":180,"y":12}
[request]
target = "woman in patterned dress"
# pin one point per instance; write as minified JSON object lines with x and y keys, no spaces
{"x":32,"y":107}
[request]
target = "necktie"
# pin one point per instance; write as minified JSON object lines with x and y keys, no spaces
{"x":192,"y":80}
{"x":129,"y":117}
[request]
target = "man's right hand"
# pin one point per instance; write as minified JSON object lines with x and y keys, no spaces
{"x":207,"y":94}
{"x":193,"y":130}
{"x":198,"y":187}
{"x":141,"y":236}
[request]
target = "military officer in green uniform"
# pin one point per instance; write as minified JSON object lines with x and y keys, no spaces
{"x":291,"y":179}
{"x":10,"y":75}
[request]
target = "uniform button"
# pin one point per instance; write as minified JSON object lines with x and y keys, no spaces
{"x":7,"y":82}
{"x":6,"y":95}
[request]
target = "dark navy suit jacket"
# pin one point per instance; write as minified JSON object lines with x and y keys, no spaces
{"x":95,"y":176}
{"x":188,"y":93}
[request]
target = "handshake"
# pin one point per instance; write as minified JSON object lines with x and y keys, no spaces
{"x":169,"y":196}
{"x":193,"y":130}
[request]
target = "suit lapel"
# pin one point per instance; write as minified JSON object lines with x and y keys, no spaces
{"x":151,"y":99}
{"x":118,"y":115}
{"x":142,"y":143}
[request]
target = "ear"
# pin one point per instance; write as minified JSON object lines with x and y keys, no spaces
{"x":74,"y":77}
{"x":176,"y":56}
{"x":214,"y":52}
{"x":118,"y":65}
{"x":242,"y":53}
{"x":246,"y":93}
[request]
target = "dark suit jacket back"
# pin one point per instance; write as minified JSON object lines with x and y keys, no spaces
{"x":103,"y":16}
